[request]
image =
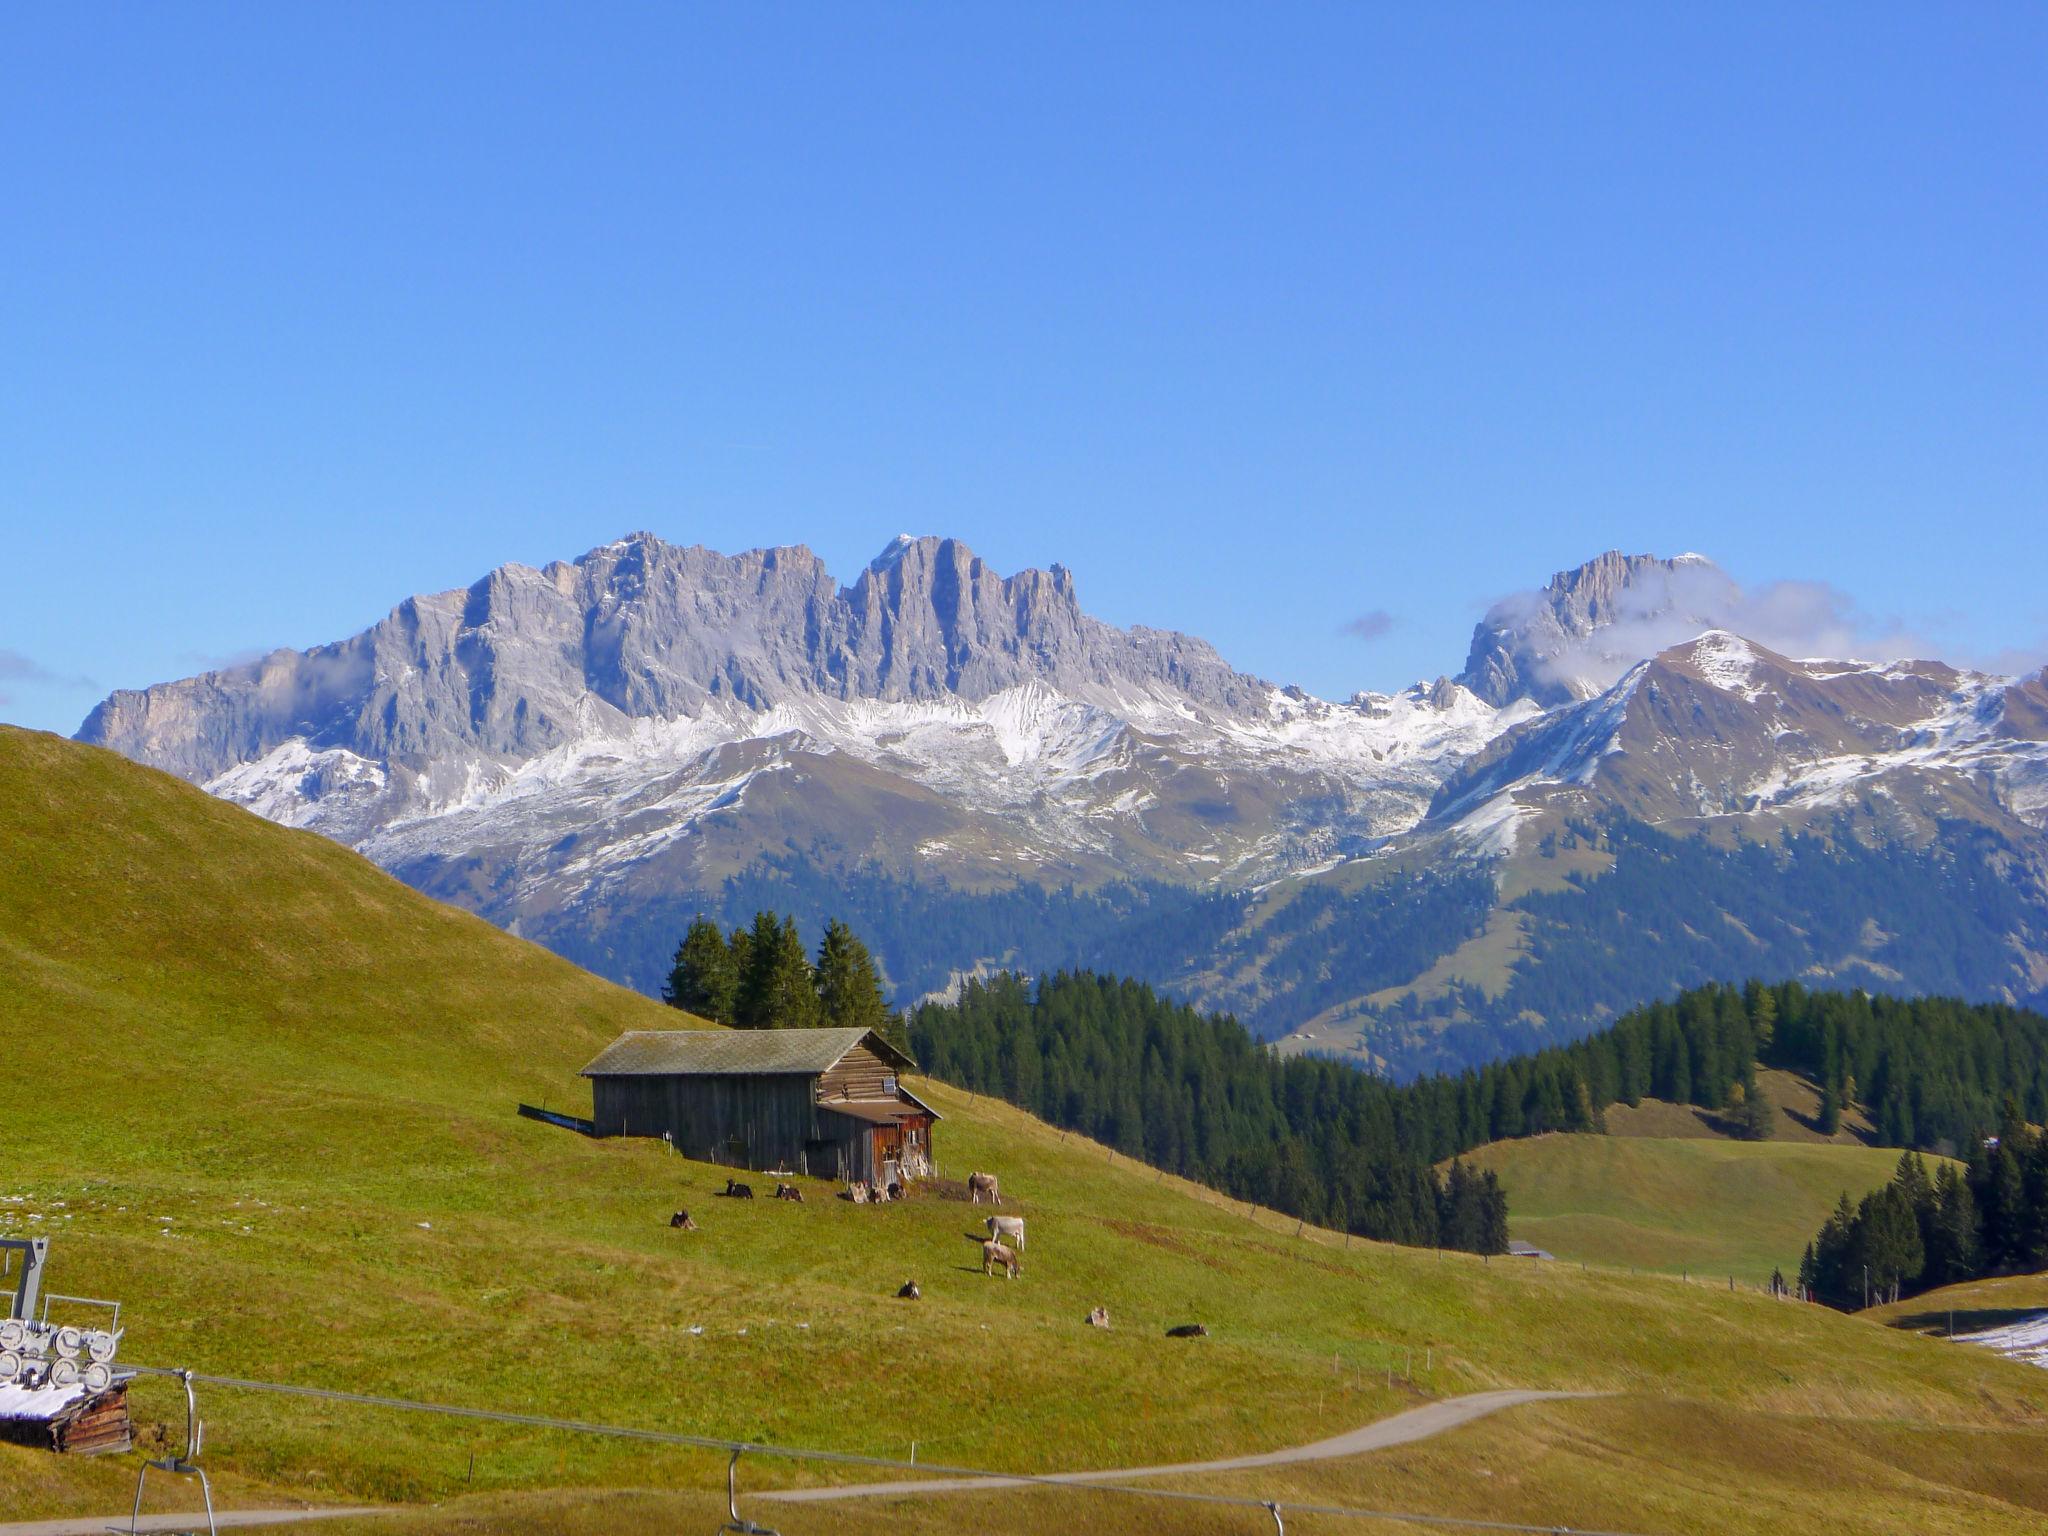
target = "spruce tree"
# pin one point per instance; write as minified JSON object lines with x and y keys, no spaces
{"x":703,"y":979}
{"x":849,"y":992}
{"x":1754,"y":1115}
{"x":1830,"y":1110}
{"x":776,"y":991}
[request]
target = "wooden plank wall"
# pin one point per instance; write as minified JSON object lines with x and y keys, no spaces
{"x":743,"y":1122}
{"x":859,"y":1074}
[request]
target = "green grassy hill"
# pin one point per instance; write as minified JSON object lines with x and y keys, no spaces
{"x":265,"y":1095}
{"x":1698,"y":1205}
{"x":1795,"y":1101}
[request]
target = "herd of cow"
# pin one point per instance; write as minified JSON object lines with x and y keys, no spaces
{"x":1002,"y":1249}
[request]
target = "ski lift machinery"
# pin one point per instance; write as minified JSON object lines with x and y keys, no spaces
{"x":37,"y":1353}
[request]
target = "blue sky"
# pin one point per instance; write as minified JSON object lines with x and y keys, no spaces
{"x":1265,"y":320}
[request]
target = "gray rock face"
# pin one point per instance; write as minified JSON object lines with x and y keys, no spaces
{"x":1578,"y":634}
{"x":520,"y":662}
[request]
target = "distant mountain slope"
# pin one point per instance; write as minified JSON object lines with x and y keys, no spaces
{"x":1615,"y":798}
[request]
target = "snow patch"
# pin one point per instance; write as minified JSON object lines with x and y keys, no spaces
{"x":2025,"y":1341}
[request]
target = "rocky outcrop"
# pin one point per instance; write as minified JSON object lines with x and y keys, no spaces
{"x":1576,"y":635}
{"x":526,"y":660}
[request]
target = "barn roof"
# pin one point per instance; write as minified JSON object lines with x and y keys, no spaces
{"x":735,"y":1052}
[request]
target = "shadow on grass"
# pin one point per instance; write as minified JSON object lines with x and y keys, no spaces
{"x":1967,"y":1322}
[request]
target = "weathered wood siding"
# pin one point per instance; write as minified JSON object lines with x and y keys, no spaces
{"x":744,"y":1122}
{"x":859,"y":1074}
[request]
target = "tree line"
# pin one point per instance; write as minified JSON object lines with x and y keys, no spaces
{"x":1919,"y":1232}
{"x":1197,"y":1095}
{"x":1932,"y":1072}
{"x":760,"y":977}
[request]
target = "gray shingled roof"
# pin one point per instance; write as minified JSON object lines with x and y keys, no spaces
{"x":711,"y":1052}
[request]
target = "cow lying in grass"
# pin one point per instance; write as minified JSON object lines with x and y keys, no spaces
{"x":738,"y":1191}
{"x":994,"y":1253}
{"x":1007,"y":1227}
{"x":789,"y":1192}
{"x":682,"y":1220}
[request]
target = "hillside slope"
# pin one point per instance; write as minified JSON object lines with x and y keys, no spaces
{"x":1695,"y":1205}
{"x":264,"y":1094}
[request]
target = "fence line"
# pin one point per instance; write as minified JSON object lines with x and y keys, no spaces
{"x":738,"y":1448}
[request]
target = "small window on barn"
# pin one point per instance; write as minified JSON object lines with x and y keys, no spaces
{"x":888,"y":1082}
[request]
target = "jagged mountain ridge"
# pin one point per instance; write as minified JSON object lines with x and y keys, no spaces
{"x":589,"y":751}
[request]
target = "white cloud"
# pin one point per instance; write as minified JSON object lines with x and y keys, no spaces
{"x":1661,"y":608}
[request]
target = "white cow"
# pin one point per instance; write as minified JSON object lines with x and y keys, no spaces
{"x":1011,"y":1227}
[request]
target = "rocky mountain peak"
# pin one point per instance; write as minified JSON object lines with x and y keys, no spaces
{"x":524,"y":660}
{"x":1575,"y":635}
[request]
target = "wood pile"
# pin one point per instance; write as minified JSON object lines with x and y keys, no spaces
{"x":92,"y":1426}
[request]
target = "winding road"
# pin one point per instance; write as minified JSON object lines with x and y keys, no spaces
{"x":1401,"y":1429}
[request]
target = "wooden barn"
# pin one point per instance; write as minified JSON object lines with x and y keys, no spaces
{"x":825,"y":1102}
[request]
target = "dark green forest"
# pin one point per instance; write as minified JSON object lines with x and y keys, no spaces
{"x":1197,"y":1095}
{"x":1919,"y":1232}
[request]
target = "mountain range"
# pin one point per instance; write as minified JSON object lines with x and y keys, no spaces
{"x":1613,"y":799}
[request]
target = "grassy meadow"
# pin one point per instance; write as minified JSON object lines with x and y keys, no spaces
{"x":1703,"y":1206}
{"x":265,"y":1096}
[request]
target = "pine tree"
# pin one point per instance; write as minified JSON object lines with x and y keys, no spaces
{"x":776,"y":991}
{"x":1830,"y":1110}
{"x":1754,"y":1114}
{"x":703,"y":979}
{"x":849,"y":992}
{"x":1762,"y":1004}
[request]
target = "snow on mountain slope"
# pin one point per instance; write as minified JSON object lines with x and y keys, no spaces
{"x":589,"y":751}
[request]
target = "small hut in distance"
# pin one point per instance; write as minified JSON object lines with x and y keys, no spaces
{"x":825,"y":1102}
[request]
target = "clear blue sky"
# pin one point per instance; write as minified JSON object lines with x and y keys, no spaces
{"x":1259,"y":318}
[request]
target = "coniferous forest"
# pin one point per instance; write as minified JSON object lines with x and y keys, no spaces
{"x":1196,"y":1094}
{"x":1922,"y":1231}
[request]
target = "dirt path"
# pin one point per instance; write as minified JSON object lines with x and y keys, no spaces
{"x":195,"y":1520}
{"x":1401,"y":1429}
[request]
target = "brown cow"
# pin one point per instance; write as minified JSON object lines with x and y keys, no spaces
{"x":789,"y":1192}
{"x":994,"y":1253}
{"x":979,"y":1184}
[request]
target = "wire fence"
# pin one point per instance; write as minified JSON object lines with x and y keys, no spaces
{"x":1072,"y":1482}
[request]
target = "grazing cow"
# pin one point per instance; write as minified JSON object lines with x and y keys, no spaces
{"x":738,"y":1191}
{"x":910,"y":1292}
{"x":789,"y":1192}
{"x":1188,"y":1331}
{"x":994,"y":1253}
{"x":979,"y":1184}
{"x":1007,"y":1227}
{"x":682,"y":1219}
{"x":1098,"y":1317}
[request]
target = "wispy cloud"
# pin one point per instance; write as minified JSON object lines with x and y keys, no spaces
{"x":17,"y":668}
{"x":1371,"y":625}
{"x":1659,"y":609}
